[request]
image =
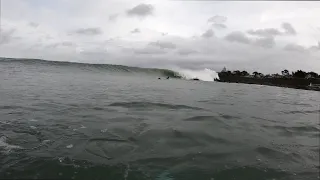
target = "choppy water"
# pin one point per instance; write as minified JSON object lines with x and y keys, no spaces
{"x":79,"y":122}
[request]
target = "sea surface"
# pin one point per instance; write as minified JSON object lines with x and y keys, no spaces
{"x":81,"y":121}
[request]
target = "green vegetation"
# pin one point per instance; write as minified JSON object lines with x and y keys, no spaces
{"x":285,"y":73}
{"x":297,"y":79}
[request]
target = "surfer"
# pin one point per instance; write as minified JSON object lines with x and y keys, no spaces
{"x":159,"y":78}
{"x":168,"y":77}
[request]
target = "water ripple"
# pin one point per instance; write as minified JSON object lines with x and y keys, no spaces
{"x":150,"y":105}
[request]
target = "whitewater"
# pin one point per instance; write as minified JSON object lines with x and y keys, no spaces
{"x":203,"y":75}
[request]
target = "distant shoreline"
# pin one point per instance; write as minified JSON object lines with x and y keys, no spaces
{"x":289,"y":81}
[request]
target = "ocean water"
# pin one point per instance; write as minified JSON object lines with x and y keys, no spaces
{"x":80,"y":121}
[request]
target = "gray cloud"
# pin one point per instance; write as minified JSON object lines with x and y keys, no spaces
{"x":136,"y":30}
{"x":294,"y":47}
{"x":315,"y":48}
{"x":149,"y":50}
{"x":53,"y":45}
{"x":220,"y":26}
{"x":186,"y":52}
{"x":208,"y":34}
{"x":163,"y":45}
{"x":164,"y":34}
{"x":113,"y":17}
{"x":67,"y":43}
{"x":6,"y":36}
{"x":56,"y":45}
{"x":218,"y":19}
{"x":33,"y":24}
{"x":238,"y":36}
{"x":289,"y":29}
{"x":141,"y":10}
{"x":267,"y":32}
{"x":89,"y":31}
{"x":266,"y":42}
{"x":48,"y":37}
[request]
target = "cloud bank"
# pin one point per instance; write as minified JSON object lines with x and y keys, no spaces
{"x":264,"y":36}
{"x":141,"y":10}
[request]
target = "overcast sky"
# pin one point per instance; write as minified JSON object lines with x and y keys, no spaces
{"x":263,"y":36}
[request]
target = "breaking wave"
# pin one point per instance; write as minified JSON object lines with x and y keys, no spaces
{"x":204,"y":75}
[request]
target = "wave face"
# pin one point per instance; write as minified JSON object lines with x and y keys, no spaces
{"x":204,"y":75}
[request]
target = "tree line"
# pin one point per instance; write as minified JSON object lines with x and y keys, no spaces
{"x":284,"y":73}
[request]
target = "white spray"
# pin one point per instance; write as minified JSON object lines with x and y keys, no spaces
{"x":204,"y":75}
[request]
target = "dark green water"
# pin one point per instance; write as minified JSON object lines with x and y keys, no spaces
{"x":73,"y":121}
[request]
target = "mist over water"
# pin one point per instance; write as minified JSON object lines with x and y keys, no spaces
{"x":81,"y":121}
